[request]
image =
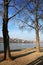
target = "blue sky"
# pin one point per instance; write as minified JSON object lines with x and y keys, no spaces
{"x":14,"y":31}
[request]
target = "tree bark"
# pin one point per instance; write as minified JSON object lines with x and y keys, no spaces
{"x":5,"y":32}
{"x":37,"y":37}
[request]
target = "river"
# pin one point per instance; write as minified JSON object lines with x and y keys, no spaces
{"x":16,"y":46}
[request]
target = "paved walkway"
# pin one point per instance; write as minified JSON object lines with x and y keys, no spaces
{"x":25,"y":57}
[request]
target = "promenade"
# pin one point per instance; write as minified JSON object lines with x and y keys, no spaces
{"x":25,"y":57}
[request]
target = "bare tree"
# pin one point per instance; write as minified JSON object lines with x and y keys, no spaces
{"x":6,"y":4}
{"x":33,"y":19}
{"x":28,"y":7}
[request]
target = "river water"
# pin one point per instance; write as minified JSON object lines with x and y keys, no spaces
{"x":16,"y":46}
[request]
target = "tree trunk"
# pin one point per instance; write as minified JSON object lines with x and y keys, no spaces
{"x":5,"y":32}
{"x":6,"y":41}
{"x":37,"y":37}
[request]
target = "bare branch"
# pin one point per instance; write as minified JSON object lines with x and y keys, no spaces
{"x":26,"y":23}
{"x":40,"y":27}
{"x":19,"y":10}
{"x":13,"y":6}
{"x":7,"y":2}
